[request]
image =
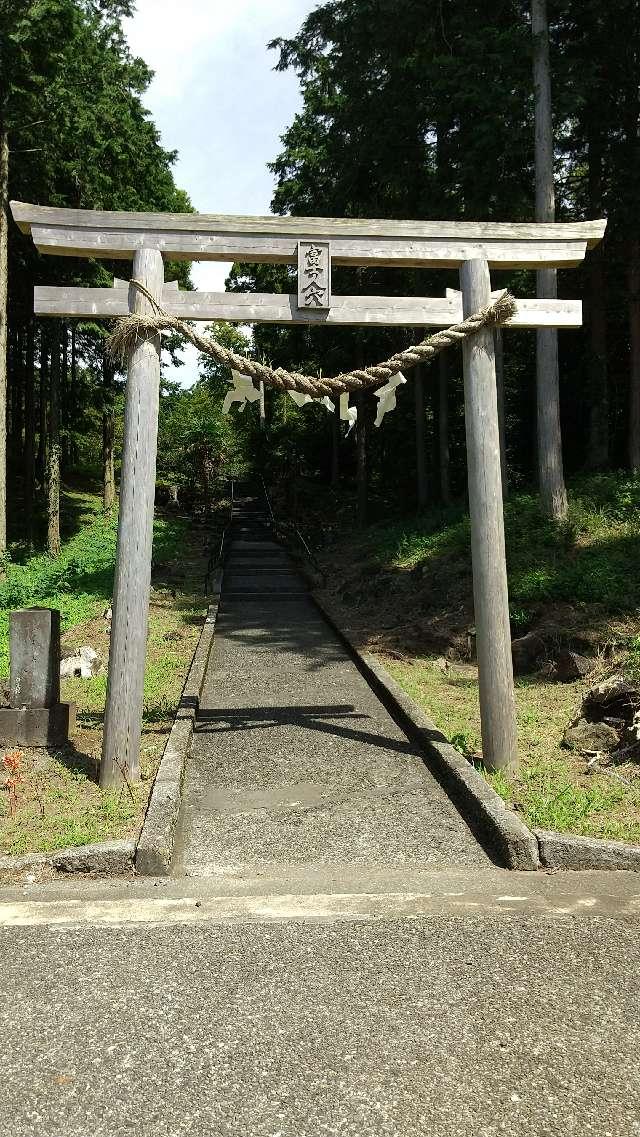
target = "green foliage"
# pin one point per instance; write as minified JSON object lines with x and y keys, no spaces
{"x":71,"y":99}
{"x":550,"y":797}
{"x":590,"y":558}
{"x":431,"y":116}
{"x":197,"y":444}
{"x":80,"y":581}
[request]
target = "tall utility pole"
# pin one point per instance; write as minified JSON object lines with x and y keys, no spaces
{"x":4,"y":271}
{"x":550,"y":472}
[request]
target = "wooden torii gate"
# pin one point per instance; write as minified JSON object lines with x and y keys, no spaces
{"x":314,"y":244}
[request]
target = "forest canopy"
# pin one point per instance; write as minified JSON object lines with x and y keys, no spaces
{"x":409,"y":110}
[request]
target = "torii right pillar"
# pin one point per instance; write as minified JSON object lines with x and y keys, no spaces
{"x":490,"y":594}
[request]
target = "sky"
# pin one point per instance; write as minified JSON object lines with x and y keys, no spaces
{"x":216,"y":99}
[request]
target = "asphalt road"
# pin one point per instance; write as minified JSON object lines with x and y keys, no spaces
{"x":498,"y":1003}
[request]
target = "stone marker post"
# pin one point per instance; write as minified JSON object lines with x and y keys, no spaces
{"x":34,"y":648}
{"x":35,"y":717}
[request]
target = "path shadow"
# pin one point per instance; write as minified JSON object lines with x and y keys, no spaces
{"x":76,"y":761}
{"x":310,"y":717}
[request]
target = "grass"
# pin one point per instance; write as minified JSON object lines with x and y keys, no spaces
{"x":551,"y":795}
{"x":590,"y":558}
{"x":80,"y":580}
{"x":554,"y":789}
{"x":60,"y":803}
{"x":59,"y":808}
{"x":398,"y":581}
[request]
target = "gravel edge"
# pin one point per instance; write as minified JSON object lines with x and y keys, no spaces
{"x":480,"y":805}
{"x":154,"y":850}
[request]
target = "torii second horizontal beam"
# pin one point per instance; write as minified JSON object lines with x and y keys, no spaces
{"x":258,"y":308}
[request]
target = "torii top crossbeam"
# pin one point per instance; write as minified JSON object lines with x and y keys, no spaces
{"x":355,"y":241}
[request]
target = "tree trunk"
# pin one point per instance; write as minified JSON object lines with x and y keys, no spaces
{"x":421,"y":442}
{"x":261,"y":407}
{"x":443,"y":428}
{"x":53,"y":459}
{"x":14,"y":395}
{"x":632,"y":163}
{"x":64,"y":400}
{"x":108,"y":433}
{"x":550,"y":471}
{"x":361,"y":457}
{"x":634,"y":379}
{"x":29,"y":434}
{"x":73,"y":398}
{"x":42,"y":404}
{"x":335,"y":444}
{"x":361,"y":441}
{"x":499,"y":352}
{"x":598,"y":444}
{"x":4,"y":236}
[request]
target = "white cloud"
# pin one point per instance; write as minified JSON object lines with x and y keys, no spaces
{"x":216,"y":99}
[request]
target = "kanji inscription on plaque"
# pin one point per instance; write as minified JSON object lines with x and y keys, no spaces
{"x":314,"y":274}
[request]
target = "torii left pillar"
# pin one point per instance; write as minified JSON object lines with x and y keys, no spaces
{"x":129,"y":626}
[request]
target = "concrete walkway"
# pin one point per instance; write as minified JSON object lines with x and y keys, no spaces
{"x":294,"y":759}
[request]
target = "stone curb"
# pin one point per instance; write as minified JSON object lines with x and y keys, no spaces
{"x":154,"y":850}
{"x":482,"y":807}
{"x":114,"y":858}
{"x":573,"y":851}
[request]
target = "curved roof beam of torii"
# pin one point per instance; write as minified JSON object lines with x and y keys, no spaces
{"x":354,"y":241}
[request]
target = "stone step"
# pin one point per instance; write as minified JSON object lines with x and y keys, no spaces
{"x":243,"y":543}
{"x":243,"y":567}
{"x":233,"y":578}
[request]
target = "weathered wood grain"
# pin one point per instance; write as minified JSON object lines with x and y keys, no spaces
{"x":27,"y":215}
{"x":256,"y":308}
{"x":123,"y":713}
{"x":390,"y":252}
{"x":491,"y":601}
{"x":170,"y":285}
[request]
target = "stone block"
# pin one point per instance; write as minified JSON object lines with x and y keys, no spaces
{"x":37,"y":726}
{"x":573,"y":851}
{"x":34,"y":648}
